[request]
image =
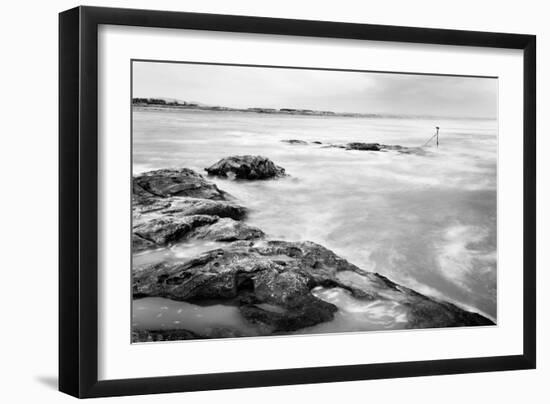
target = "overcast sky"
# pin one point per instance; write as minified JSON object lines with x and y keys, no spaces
{"x":243,"y":87}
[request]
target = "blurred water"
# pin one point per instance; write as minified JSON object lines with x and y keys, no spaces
{"x":427,"y":222}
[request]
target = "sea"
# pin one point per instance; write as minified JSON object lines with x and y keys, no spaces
{"x":427,"y":221}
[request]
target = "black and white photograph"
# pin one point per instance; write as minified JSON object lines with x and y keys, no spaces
{"x":272,"y":201}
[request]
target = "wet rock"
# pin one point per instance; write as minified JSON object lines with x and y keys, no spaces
{"x":272,"y":281}
{"x":139,"y":243}
{"x":246,"y":167}
{"x":164,"y":213}
{"x":175,"y":182}
{"x":163,"y":335}
{"x":309,"y":312}
{"x":176,"y":206}
{"x":427,"y":312}
{"x":166,"y":230}
{"x":178,"y":334}
{"x":363,"y":146}
{"x":228,"y":230}
{"x":405,"y":150}
{"x":334,"y":146}
{"x":378,"y":147}
{"x":294,"y":141}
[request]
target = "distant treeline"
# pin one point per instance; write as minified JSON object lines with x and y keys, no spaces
{"x":160,"y":101}
{"x":262,"y":110}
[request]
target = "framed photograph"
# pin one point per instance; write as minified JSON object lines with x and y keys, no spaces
{"x":251,"y":201}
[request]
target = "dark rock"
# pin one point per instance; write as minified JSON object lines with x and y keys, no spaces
{"x":317,"y":142}
{"x":177,"y":334}
{"x":176,"y":182}
{"x":427,"y":312}
{"x":272,"y":282}
{"x":405,"y":150}
{"x":363,"y":146}
{"x":166,"y":230}
{"x":294,"y":141}
{"x":170,"y":229}
{"x":228,"y":230}
{"x":176,"y":206}
{"x":246,"y":167}
{"x":309,"y":312}
{"x":378,"y":147}
{"x":163,"y":213}
{"x":334,"y":146}
{"x":281,"y":288}
{"x":140,"y":243}
{"x":163,"y":335}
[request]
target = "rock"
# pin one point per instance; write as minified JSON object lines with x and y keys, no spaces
{"x":176,"y":206}
{"x":179,"y":334}
{"x":317,"y":142}
{"x":163,"y":335}
{"x":309,"y":312}
{"x":363,"y":146}
{"x":378,"y":147}
{"x":294,"y":141}
{"x":405,"y":150}
{"x":246,"y":167}
{"x":164,"y":214}
{"x":334,"y":146}
{"x":166,"y":230}
{"x":175,"y":182}
{"x":139,"y":243}
{"x":272,"y":281}
{"x":228,"y":230}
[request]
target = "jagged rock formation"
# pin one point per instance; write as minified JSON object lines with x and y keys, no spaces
{"x":246,"y":168}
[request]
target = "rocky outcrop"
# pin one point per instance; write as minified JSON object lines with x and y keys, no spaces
{"x":227,"y":229}
{"x":406,"y":150}
{"x":272,"y":283}
{"x":362,"y":146}
{"x":170,"y":229}
{"x":175,"y":182}
{"x":178,"y":334}
{"x":170,"y":206}
{"x":163,"y":335}
{"x":246,"y":168}
{"x":383,"y":147}
{"x":294,"y":141}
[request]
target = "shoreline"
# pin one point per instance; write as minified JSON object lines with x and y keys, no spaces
{"x":293,"y":112}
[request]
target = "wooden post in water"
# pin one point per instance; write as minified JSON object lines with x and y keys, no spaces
{"x":437,"y":136}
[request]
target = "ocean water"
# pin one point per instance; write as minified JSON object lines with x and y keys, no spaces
{"x":425,"y":221}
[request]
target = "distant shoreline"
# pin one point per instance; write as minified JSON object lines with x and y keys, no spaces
{"x":161,"y":104}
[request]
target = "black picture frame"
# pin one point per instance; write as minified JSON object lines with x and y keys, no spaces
{"x":78,"y":201}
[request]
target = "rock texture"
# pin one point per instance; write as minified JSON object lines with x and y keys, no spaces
{"x":246,"y":168}
{"x":362,"y":146}
{"x":271,"y":282}
{"x":170,"y":206}
{"x":181,"y":182}
{"x":294,"y":141}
